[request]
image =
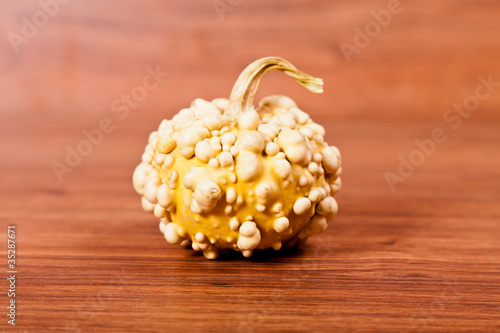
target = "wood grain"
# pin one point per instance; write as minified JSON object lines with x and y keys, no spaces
{"x":422,"y":258}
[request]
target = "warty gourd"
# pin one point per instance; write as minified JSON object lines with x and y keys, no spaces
{"x":224,"y":175}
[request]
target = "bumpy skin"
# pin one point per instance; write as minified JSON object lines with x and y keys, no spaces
{"x":265,"y":179}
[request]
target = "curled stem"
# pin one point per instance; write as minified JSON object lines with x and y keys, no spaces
{"x":245,"y":88}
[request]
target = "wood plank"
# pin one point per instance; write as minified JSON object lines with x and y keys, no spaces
{"x":422,"y":258}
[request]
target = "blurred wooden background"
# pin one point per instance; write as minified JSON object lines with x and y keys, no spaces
{"x":424,"y":257}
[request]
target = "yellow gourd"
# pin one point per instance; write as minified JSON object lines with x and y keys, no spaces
{"x":224,"y":175}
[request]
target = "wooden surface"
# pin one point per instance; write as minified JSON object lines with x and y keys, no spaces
{"x":424,"y":257}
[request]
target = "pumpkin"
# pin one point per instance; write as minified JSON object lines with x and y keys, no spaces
{"x":223,"y":174}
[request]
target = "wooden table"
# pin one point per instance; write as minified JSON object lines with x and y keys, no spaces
{"x":422,"y":255}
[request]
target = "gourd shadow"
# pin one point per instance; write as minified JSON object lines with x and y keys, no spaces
{"x":265,"y":255}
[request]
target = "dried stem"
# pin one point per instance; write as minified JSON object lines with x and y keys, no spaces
{"x":245,"y":88}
